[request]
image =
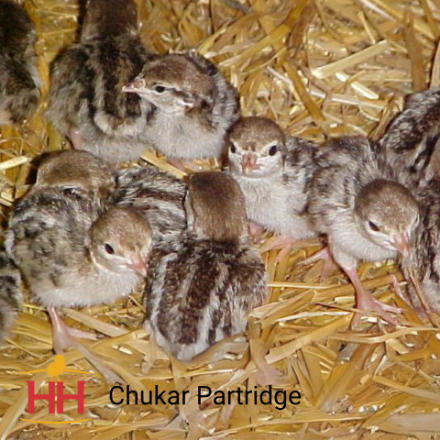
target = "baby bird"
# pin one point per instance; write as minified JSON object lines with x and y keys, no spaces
{"x":272,"y":171}
{"x":410,"y":144}
{"x":193,"y":105}
{"x":73,"y":253}
{"x":157,"y":196}
{"x":365,"y":215}
{"x":10,"y":294}
{"x":19,"y":78}
{"x":201,"y":289}
{"x":86,"y":102}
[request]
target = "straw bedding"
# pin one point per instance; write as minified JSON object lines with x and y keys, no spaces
{"x":320,"y":68}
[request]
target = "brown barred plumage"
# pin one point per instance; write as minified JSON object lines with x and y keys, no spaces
{"x":410,"y":145}
{"x":86,"y":101}
{"x":19,"y":77}
{"x":201,"y":288}
{"x":157,"y":196}
{"x":10,"y":294}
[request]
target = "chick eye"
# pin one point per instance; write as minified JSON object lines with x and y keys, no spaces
{"x":373,"y":227}
{"x":233,"y":148}
{"x":109,"y":249}
{"x":159,"y":89}
{"x":273,"y":150}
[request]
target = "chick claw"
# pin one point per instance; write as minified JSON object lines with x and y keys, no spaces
{"x":329,"y":263}
{"x":63,"y":338}
{"x":286,"y":244}
{"x":76,"y":139}
{"x":256,"y":231}
{"x":267,"y":374}
{"x":366,"y":302}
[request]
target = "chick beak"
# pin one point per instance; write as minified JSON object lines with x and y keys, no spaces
{"x":401,"y":244}
{"x":249,"y":163}
{"x":137,"y":86}
{"x":139,"y":264}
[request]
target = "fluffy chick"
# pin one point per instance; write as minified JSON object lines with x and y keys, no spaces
{"x":70,"y":255}
{"x":10,"y":294}
{"x":272,"y":171}
{"x":19,"y":78}
{"x":365,"y":215}
{"x":86,"y":102}
{"x":202,"y":287}
{"x":193,"y":105}
{"x":73,"y":251}
{"x":157,"y":196}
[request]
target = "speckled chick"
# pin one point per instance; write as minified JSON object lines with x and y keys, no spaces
{"x":365,"y":215}
{"x":410,"y":144}
{"x":71,"y":254}
{"x":10,"y":294}
{"x":73,"y":251}
{"x":86,"y":102}
{"x":19,"y":78}
{"x":157,"y":196}
{"x":272,"y":171}
{"x":193,"y":105}
{"x":202,"y":288}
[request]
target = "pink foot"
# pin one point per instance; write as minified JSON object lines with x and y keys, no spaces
{"x":75,"y":138}
{"x":63,"y":339}
{"x":266,"y":374}
{"x":255,"y":231}
{"x":286,"y":244}
{"x":184,"y":165}
{"x":366,"y":302}
{"x":420,"y":311}
{"x":74,"y":332}
{"x":329,"y":263}
{"x":398,"y":291}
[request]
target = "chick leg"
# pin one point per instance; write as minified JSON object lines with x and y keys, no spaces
{"x":286,"y":244}
{"x":399,"y":291}
{"x":256,"y":231}
{"x":63,"y":339}
{"x":329,"y":263}
{"x":184,"y":165}
{"x":365,"y":301}
{"x":75,"y":138}
{"x":266,"y":374}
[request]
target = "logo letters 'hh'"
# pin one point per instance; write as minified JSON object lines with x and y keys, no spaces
{"x":60,"y":397}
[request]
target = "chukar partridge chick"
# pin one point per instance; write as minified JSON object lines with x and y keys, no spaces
{"x":86,"y":102}
{"x":201,"y":289}
{"x":193,"y":106}
{"x":365,"y":215}
{"x":19,"y":78}
{"x":272,"y":171}
{"x":72,"y":253}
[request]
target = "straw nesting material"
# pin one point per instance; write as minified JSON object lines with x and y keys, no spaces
{"x":320,"y":68}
